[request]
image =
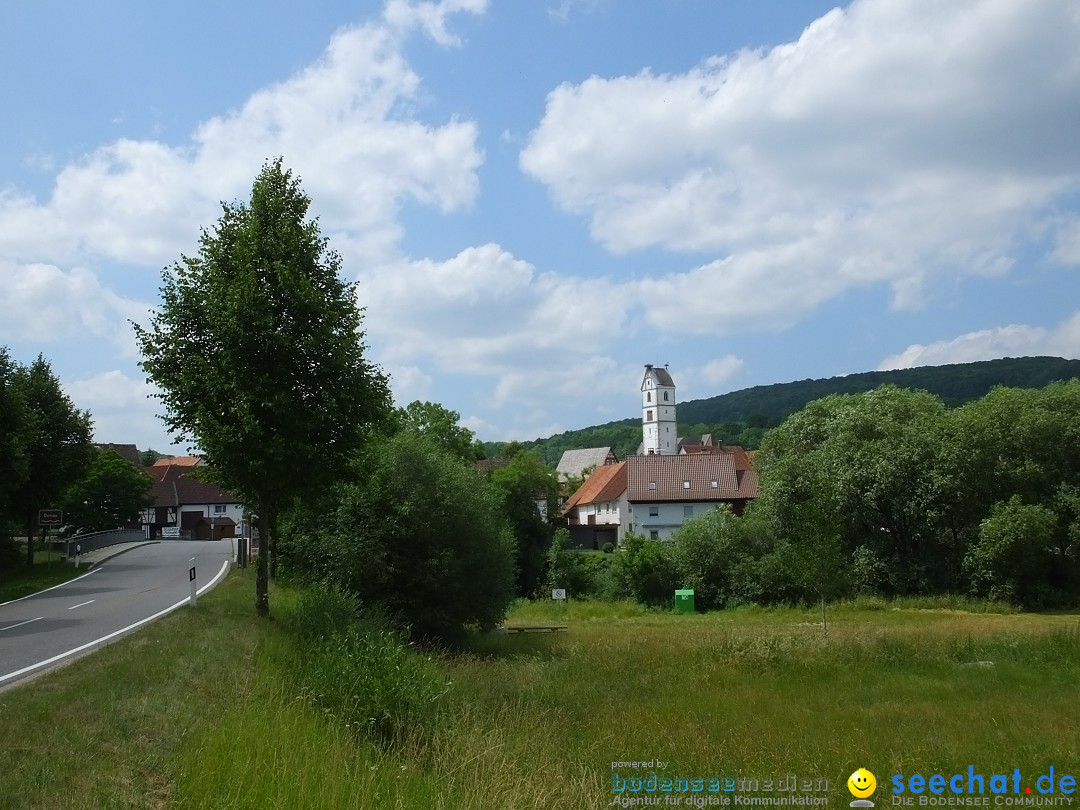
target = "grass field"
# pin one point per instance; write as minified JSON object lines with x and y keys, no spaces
{"x":195,"y":712}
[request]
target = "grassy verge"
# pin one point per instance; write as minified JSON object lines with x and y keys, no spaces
{"x":198,"y":711}
{"x":49,"y":569}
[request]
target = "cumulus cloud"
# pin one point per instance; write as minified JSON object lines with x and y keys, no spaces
{"x":487,"y":312}
{"x":1014,"y":340}
{"x":342,"y":124}
{"x":45,"y":304}
{"x":721,"y":369}
{"x":124,"y":409}
{"x":892,"y":143}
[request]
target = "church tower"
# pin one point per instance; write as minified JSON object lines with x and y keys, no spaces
{"x":658,"y":426}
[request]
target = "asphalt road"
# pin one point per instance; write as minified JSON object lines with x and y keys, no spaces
{"x":52,"y":627}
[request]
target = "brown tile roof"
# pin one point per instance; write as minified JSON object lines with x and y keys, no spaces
{"x":174,"y":486}
{"x":688,"y":478}
{"x":179,"y":461}
{"x":487,"y":465}
{"x":605,"y":484}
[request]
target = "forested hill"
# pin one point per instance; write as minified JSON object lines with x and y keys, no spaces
{"x":743,"y":416}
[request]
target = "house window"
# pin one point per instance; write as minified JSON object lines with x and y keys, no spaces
{"x":652,"y":485}
{"x":713,"y":484}
{"x":648,"y":416}
{"x":654,"y":535}
{"x":219,"y":509}
{"x":654,"y":511}
{"x":686,"y":485}
{"x":687,"y":512}
{"x":665,"y":396}
{"x":648,"y":396}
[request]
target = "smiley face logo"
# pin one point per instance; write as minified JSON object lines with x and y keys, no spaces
{"x":861,"y":783}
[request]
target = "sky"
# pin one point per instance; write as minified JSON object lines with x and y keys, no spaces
{"x":537,"y":197}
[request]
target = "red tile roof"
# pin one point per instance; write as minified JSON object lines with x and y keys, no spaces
{"x":655,"y":478}
{"x":179,"y":461}
{"x":606,"y":483}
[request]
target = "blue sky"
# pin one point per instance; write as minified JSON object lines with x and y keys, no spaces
{"x":537,"y":197}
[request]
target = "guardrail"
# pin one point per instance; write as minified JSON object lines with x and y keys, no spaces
{"x":96,"y":540}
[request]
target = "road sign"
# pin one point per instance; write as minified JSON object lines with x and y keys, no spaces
{"x":170,"y":531}
{"x":558,"y":593}
{"x":50,"y":517}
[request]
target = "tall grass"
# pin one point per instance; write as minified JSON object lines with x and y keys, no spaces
{"x":206,"y":710}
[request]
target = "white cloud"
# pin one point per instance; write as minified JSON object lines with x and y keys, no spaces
{"x":124,"y":409}
{"x":408,"y":384}
{"x":430,"y":17}
{"x":894,"y":142}
{"x":45,"y":304}
{"x":1014,"y":340}
{"x":342,"y":124}
{"x":484,"y":311}
{"x":721,"y":369}
{"x":1067,"y":247}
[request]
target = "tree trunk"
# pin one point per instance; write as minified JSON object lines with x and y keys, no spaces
{"x":262,"y":596}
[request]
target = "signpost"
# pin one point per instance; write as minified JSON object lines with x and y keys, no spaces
{"x":558,"y":593}
{"x":191,"y":580}
{"x":50,"y":517}
{"x":170,"y":531}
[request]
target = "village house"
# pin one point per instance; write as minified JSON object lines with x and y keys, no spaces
{"x":670,"y":481}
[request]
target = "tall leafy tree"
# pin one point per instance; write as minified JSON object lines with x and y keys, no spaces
{"x":521,"y":484}
{"x":439,"y":425}
{"x":13,"y":466}
{"x":259,"y":351}
{"x":57,"y":444}
{"x":110,"y":493}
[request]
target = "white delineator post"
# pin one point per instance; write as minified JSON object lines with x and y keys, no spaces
{"x":191,"y":580}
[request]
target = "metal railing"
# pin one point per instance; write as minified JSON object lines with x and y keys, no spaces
{"x":95,"y":540}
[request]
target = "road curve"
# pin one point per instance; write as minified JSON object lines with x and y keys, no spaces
{"x":52,"y":627}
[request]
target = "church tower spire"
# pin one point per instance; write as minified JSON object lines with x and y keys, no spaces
{"x":658,"y":425}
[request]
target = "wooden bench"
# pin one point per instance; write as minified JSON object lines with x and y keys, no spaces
{"x":535,"y":628}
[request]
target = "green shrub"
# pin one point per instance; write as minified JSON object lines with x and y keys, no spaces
{"x":363,"y":671}
{"x":608,"y":547}
{"x":645,"y":570}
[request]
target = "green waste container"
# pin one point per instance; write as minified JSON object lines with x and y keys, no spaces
{"x":684,"y":600}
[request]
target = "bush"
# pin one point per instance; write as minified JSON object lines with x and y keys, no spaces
{"x":608,"y":547}
{"x":363,"y":671}
{"x":1011,"y":560}
{"x":418,"y":535}
{"x":645,"y":570}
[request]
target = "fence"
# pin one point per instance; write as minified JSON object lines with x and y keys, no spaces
{"x":96,"y":540}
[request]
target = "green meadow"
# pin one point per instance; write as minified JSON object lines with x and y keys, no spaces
{"x":202,"y":710}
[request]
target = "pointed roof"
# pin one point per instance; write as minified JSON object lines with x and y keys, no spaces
{"x":605,"y":484}
{"x":661,"y":376}
{"x":574,"y":462}
{"x":697,"y":477}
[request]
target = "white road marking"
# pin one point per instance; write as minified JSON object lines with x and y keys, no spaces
{"x":20,"y":624}
{"x":115,"y":633}
{"x":54,"y":587}
{"x":81,"y":604}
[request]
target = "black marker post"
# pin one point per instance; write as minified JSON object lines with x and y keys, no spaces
{"x":191,"y":579}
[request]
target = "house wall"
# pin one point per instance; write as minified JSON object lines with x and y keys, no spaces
{"x":669,"y":516}
{"x":232,"y":510}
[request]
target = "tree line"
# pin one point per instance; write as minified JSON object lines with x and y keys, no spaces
{"x":889,"y":493}
{"x":48,"y":461}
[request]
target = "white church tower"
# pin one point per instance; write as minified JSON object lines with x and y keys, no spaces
{"x":658,"y":426}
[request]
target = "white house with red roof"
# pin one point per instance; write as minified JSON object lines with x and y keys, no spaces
{"x":198,"y":509}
